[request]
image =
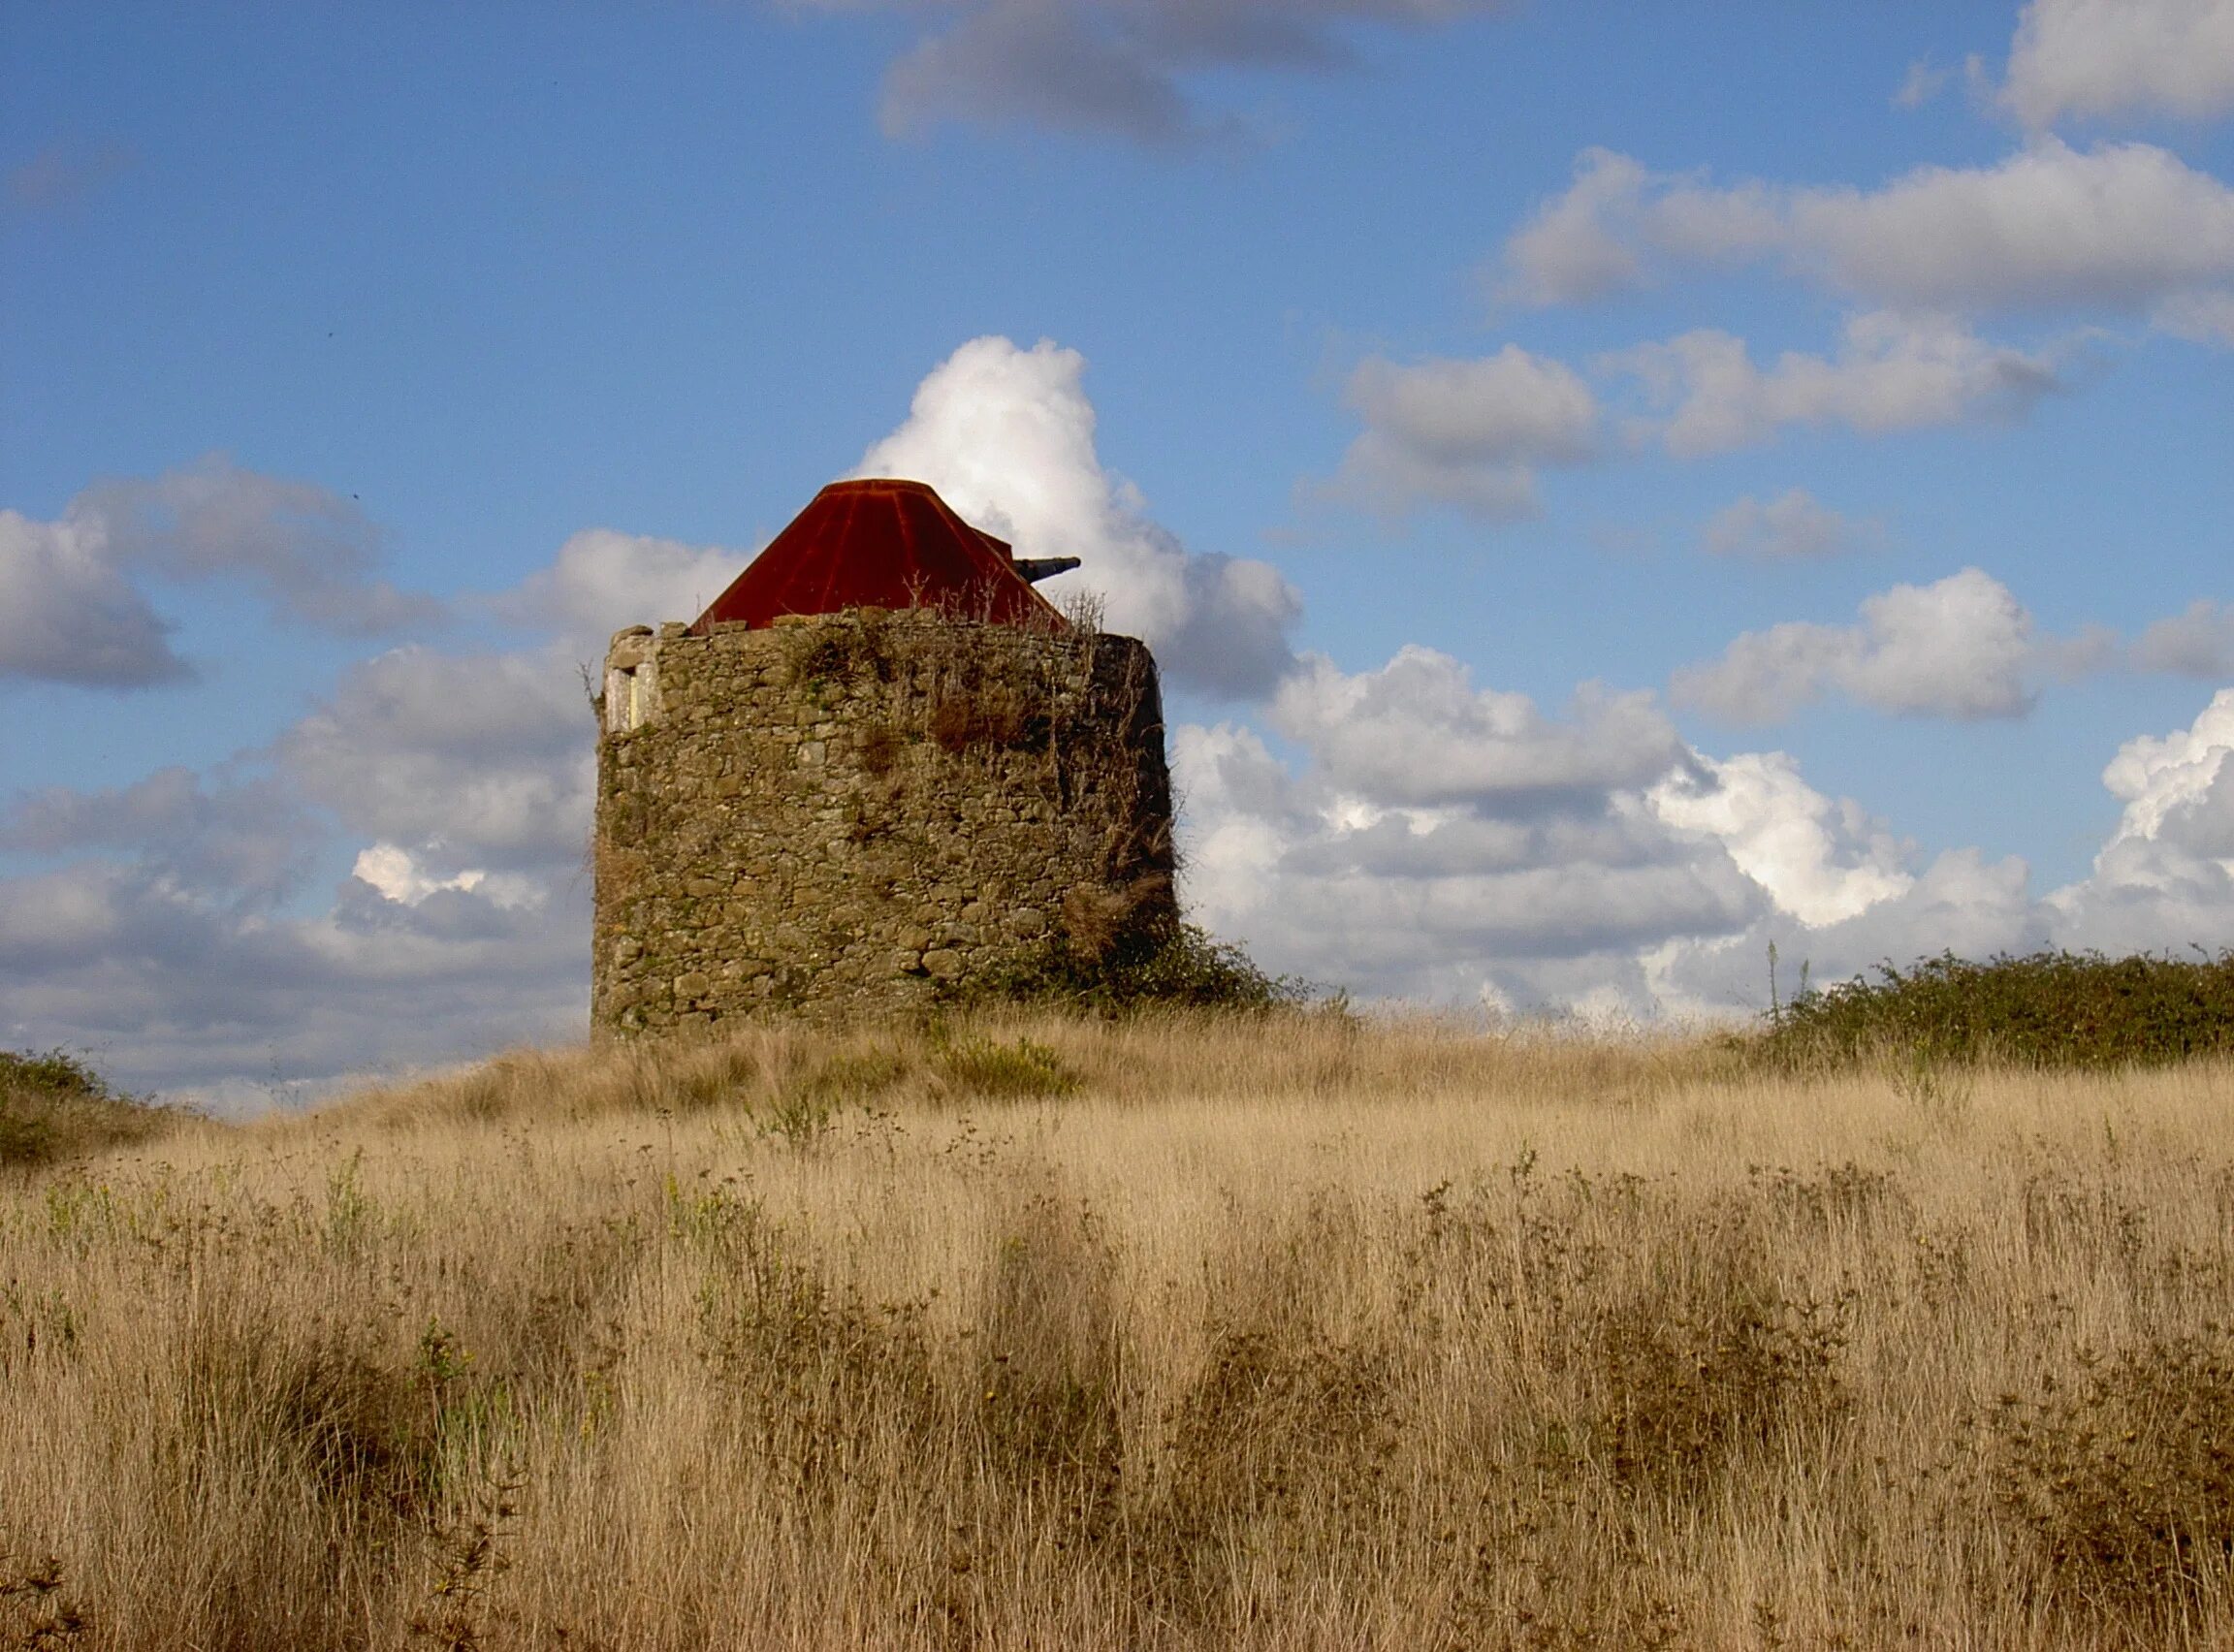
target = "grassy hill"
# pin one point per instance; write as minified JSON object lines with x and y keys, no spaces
{"x":1277,"y":1331}
{"x":55,"y":1106}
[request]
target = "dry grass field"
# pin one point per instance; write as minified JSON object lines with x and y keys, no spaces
{"x":1275,"y":1333}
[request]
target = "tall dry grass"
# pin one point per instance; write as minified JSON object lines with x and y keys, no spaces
{"x":1187,"y":1334}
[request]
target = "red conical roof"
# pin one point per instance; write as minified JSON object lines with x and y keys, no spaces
{"x":881,"y":544}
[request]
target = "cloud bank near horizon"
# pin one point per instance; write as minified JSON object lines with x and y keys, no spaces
{"x":1403,"y":830}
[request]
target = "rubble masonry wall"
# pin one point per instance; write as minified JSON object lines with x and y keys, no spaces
{"x":858,"y":812}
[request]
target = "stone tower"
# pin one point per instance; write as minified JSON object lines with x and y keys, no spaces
{"x":857,"y":811}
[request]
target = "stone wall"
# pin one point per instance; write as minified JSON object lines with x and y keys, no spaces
{"x":858,"y":812}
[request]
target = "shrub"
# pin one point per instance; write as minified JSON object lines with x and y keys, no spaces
{"x":2045,"y":1010}
{"x":1682,"y":1389}
{"x":2124,"y":1481}
{"x":1184,"y":967}
{"x":54,"y":1106}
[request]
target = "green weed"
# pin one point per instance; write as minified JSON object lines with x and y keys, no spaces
{"x":984,"y":1067}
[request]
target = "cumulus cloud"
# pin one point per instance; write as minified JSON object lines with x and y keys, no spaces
{"x":72,"y":612}
{"x":181,"y":939}
{"x":1473,"y":434}
{"x":602,"y":580}
{"x":1892,"y":372}
{"x":1960,"y":901}
{"x":2165,"y":878}
{"x":1960,"y":647}
{"x":1471,"y":848}
{"x":1964,"y":646}
{"x":67,"y":615}
{"x":238,"y":841}
{"x":1007,"y":436}
{"x":1466,"y":434}
{"x":1449,"y":843}
{"x":465,"y":761}
{"x":2173,"y":786}
{"x":311,"y":551}
{"x":1583,"y":244}
{"x":171,"y":987}
{"x":2198,"y":642}
{"x":1924,"y":81}
{"x":1114,"y":67}
{"x":1418,"y":733}
{"x":1793,"y":526}
{"x":1821,"y":861}
{"x":2099,"y":58}
{"x":2122,"y":227}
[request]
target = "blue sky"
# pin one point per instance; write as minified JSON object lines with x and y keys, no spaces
{"x":1610,"y":486}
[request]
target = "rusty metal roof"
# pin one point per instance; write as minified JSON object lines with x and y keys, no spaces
{"x":881,"y":543}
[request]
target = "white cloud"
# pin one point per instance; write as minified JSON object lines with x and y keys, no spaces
{"x":1892,"y":372}
{"x":1114,"y":67}
{"x":1821,"y":861}
{"x":2201,"y":318}
{"x":178,"y":940}
{"x":1961,"y":903}
{"x":2198,"y":642}
{"x":2165,"y":878}
{"x":1449,"y":843}
{"x":398,"y":877}
{"x":2163,"y":882}
{"x":1960,"y":647}
{"x":1007,"y":436}
{"x":178,"y":937}
{"x":1793,"y":526}
{"x":312,"y":550}
{"x":2099,"y":58}
{"x":465,"y":760}
{"x":1417,"y":733}
{"x":602,"y":580}
{"x":1473,"y":434}
{"x":2166,"y":783}
{"x":2122,"y":227}
{"x":68,"y":615}
{"x":234,"y":841}
{"x":1964,"y":646}
{"x":403,"y":878}
{"x":70,"y":609}
{"x":1467,"y":848}
{"x":1582,"y":245}
{"x":171,"y":987}
{"x":1467,"y":433}
{"x":1924,"y":81}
